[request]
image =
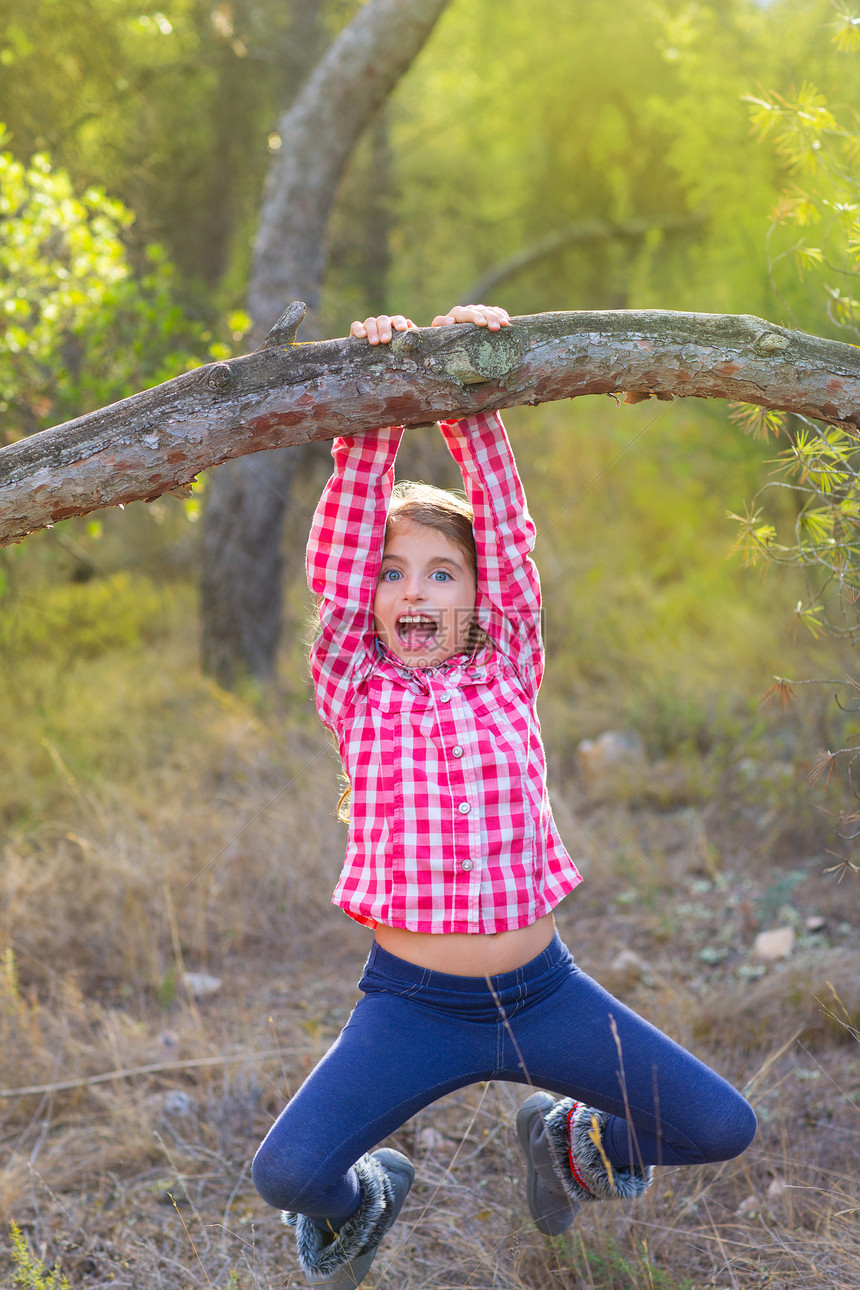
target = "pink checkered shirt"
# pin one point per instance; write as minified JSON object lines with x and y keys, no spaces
{"x":451,"y":828}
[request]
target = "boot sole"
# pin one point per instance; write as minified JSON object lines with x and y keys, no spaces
{"x":537,"y":1105}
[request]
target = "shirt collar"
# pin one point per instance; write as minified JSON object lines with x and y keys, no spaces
{"x":453,"y":667}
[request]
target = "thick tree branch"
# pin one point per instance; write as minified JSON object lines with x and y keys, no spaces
{"x":159,"y":440}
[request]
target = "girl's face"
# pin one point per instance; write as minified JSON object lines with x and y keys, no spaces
{"x":425,"y":597}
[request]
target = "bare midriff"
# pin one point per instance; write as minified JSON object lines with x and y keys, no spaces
{"x":466,"y":953}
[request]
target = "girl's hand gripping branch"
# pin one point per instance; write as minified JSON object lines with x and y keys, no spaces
{"x":380,"y":329}
{"x":490,"y":316}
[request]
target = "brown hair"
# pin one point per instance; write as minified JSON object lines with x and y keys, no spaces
{"x":438,"y":509}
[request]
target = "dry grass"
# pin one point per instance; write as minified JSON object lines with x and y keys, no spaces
{"x":195,"y":832}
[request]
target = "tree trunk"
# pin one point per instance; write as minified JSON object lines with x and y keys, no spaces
{"x":285,"y":393}
{"x":242,"y":565}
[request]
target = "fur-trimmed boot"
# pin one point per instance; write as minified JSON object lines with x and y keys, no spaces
{"x":340,"y":1260}
{"x":562,"y":1141}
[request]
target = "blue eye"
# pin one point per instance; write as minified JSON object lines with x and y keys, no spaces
{"x":442,"y":575}
{"x":389,"y":575}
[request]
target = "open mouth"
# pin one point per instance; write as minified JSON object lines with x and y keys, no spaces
{"x":415,"y":631}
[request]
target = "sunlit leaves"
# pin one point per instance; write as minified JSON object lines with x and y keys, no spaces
{"x":812,"y":617}
{"x":238,"y":324}
{"x":815,"y":526}
{"x":821,"y":463}
{"x":758,"y":422}
{"x":797,"y":207}
{"x":819,"y":457}
{"x":756,"y":539}
{"x":821,"y":468}
{"x":79,"y":329}
{"x":823,"y":151}
{"x":847,"y":36}
{"x":797,"y":125}
{"x":853,"y":240}
{"x":842,"y":309}
{"x":60,"y":256}
{"x":807,"y":257}
{"x":155,"y":104}
{"x":156,"y":22}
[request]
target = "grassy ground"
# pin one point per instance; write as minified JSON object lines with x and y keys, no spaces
{"x":154,"y":826}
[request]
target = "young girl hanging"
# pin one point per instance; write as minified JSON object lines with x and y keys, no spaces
{"x":426,"y":667}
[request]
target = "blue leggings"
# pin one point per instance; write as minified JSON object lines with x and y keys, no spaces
{"x":417,"y":1035}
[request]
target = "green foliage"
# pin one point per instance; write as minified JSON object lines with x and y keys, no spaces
{"x":819,"y":467}
{"x":81,"y":619}
{"x":514,"y":126}
{"x":821,"y":152}
{"x":170,"y":106}
{"x":29,"y":1271}
{"x":59,"y":259}
{"x":83,"y":670}
{"x":79,"y":328}
{"x":759,"y":423}
{"x":647,"y":623}
{"x":819,"y":471}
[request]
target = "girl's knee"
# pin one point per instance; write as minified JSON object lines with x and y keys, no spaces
{"x":268,"y":1176}
{"x":746,"y":1127}
{"x":279,"y":1177}
{"x":732,"y":1132}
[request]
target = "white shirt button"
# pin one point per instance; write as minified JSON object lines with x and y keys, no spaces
{"x":464,"y":808}
{"x":467,"y":865}
{"x":457,"y":751}
{"x":444,"y":697}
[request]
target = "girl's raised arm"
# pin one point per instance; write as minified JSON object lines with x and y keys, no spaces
{"x":508,"y":600}
{"x":343,"y":558}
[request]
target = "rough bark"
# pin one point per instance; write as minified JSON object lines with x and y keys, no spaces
{"x":291,"y":394}
{"x":241,"y":560}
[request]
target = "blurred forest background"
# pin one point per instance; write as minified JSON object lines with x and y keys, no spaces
{"x":169,"y":843}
